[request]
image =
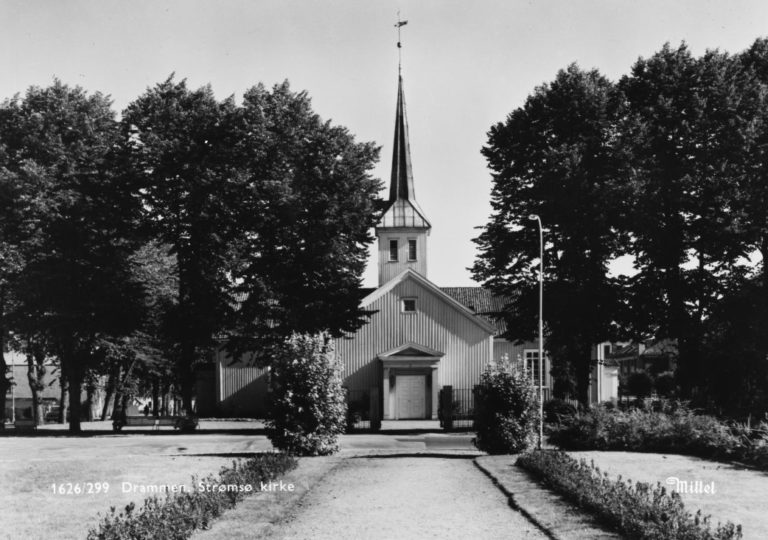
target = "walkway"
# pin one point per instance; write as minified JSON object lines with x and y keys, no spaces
{"x":407,"y":497}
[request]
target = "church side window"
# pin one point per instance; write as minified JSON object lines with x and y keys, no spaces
{"x":409,"y":305}
{"x":393,"y":248}
{"x":412,"y":249}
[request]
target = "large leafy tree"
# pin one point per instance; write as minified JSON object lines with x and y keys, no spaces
{"x":178,"y":151}
{"x":307,"y":206}
{"x":694,"y":128}
{"x":559,"y":157}
{"x":22,"y":201}
{"x":266,"y":209}
{"x":734,"y":369}
{"x":76,"y":287}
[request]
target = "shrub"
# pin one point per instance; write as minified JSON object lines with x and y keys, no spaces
{"x":558,"y":410}
{"x":308,"y":407}
{"x":665,"y":384}
{"x":639,"y":384}
{"x":506,"y":409}
{"x":357,"y":411}
{"x":178,"y":515}
{"x":637,"y":511}
{"x":668,"y":427}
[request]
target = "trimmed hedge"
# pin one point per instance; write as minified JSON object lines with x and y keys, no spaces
{"x":637,"y":511}
{"x":178,"y":515}
{"x":671,"y":428}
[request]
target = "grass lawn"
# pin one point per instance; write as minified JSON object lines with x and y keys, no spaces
{"x":739,"y":493}
{"x":32,"y":510}
{"x":261,"y":514}
{"x":29,"y":466}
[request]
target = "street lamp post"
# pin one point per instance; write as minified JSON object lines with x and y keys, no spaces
{"x":534,"y":217}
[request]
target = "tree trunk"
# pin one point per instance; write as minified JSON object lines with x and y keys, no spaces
{"x":36,"y":385}
{"x":124,"y":404}
{"x":164,"y":407}
{"x":118,"y":394}
{"x":583,"y":368}
{"x":155,"y":396}
{"x":63,"y":397}
{"x":90,"y":392}
{"x":75,"y":379}
{"x":110,"y":391}
{"x":187,"y":377}
{"x":5,"y":383}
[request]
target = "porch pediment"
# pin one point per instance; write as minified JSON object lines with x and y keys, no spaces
{"x":408,"y":351}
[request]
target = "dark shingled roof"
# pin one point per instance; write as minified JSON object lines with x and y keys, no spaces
{"x":480,"y":300}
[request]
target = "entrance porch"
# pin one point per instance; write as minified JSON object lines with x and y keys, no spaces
{"x":410,"y":382}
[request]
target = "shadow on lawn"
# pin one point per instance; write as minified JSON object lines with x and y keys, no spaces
{"x":127,"y":432}
{"x":419,"y":455}
{"x":435,"y":431}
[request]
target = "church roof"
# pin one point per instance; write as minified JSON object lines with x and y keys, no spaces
{"x":479,"y":300}
{"x":402,"y":210}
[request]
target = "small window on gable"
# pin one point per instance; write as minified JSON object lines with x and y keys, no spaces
{"x":393,"y":250}
{"x":412,"y":249}
{"x":409,"y":305}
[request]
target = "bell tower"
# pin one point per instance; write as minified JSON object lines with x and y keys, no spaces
{"x":402,"y":229}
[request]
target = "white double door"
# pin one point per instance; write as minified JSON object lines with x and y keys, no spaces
{"x":411,"y":396}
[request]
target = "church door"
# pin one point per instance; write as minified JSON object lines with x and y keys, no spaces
{"x":411,"y":396}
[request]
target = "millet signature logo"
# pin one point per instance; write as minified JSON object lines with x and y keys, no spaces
{"x":691,"y":486}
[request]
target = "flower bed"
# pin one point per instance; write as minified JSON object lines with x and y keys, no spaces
{"x":637,"y":511}
{"x":178,"y":515}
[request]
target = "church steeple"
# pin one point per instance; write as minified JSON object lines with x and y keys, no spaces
{"x":401,"y":183}
{"x":402,"y":229}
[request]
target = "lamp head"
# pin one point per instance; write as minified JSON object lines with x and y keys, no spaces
{"x":533,"y":217}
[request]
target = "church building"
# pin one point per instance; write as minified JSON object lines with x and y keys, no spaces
{"x":420,"y":338}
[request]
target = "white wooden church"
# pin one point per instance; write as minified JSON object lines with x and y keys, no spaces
{"x":420,"y":338}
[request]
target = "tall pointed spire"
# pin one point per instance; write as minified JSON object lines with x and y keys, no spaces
{"x":402,"y":229}
{"x":401,"y":184}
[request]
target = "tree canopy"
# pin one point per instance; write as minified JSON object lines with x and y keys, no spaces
{"x":143,"y":245}
{"x":666,"y":166}
{"x":75,"y":285}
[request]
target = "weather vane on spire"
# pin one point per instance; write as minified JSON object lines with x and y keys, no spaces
{"x":399,"y":25}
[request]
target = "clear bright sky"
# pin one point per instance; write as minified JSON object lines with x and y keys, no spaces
{"x":466,"y":65}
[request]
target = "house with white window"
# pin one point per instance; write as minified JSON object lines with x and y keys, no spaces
{"x":421,"y":337}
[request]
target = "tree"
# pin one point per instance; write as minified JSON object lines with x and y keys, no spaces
{"x":179,"y":153}
{"x":639,"y":384}
{"x":734,"y":367}
{"x":559,"y":156}
{"x":266,"y":209}
{"x":76,"y":286}
{"x":21,"y":201}
{"x":694,"y":124}
{"x":307,"y":205}
{"x":10,"y":260}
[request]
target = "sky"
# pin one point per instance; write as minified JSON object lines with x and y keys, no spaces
{"x":466,"y":66}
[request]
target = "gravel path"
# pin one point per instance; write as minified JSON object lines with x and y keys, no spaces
{"x":407,"y":497}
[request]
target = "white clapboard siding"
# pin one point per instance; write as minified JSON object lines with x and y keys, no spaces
{"x":437,"y":324}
